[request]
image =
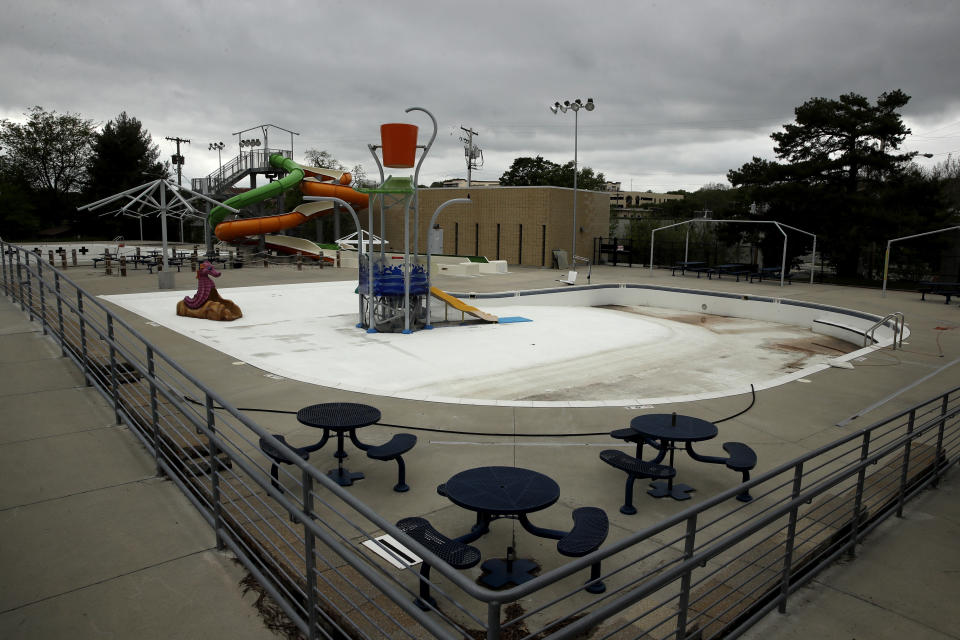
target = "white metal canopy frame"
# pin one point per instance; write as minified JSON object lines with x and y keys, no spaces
{"x":886,"y":256}
{"x":779,"y":225}
{"x":152,"y":198}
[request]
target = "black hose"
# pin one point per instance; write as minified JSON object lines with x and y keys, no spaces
{"x":753,"y":401}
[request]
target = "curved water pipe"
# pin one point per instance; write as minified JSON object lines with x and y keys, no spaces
{"x":433,"y":220}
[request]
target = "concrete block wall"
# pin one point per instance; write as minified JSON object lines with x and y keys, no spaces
{"x":521,"y":225}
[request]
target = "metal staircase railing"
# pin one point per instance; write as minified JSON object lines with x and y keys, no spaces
{"x":238,"y":167}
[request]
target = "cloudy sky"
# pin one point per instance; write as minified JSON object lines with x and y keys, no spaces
{"x":685,"y":91}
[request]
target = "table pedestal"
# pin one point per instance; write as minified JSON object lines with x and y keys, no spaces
{"x":500,"y":572}
{"x":344,"y":477}
{"x":663,"y":488}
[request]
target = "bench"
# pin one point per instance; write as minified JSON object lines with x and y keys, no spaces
{"x":398,"y":445}
{"x":770,"y":272}
{"x":743,"y":459}
{"x":635,"y":468}
{"x":946,"y":289}
{"x":733,"y":270}
{"x":158,"y":262}
{"x":685,"y":266}
{"x":456,"y":554}
{"x":740,"y":457}
{"x":630,"y":435}
{"x":278,"y":457}
{"x":590,"y":528}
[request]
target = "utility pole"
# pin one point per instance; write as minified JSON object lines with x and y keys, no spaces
{"x":471,"y":152}
{"x":177,"y":159}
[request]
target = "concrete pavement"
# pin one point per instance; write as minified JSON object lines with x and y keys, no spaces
{"x":92,"y":543}
{"x":57,"y":417}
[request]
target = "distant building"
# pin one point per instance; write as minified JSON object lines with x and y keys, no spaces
{"x":637,"y":199}
{"x":461,"y":183}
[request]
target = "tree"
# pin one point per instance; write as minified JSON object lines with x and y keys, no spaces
{"x":44,"y":163}
{"x":538,"y":172}
{"x":529,"y":172}
{"x":839,"y":176}
{"x":323,"y":159}
{"x":123,"y":156}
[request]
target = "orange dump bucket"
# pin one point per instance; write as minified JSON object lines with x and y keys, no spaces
{"x":399,"y":144}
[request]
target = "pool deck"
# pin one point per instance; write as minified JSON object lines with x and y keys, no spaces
{"x":82,"y":557}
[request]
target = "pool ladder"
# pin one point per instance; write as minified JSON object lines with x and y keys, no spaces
{"x":899,"y":322}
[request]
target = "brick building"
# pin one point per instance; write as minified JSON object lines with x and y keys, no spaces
{"x":521,"y":225}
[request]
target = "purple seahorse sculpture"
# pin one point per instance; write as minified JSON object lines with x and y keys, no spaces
{"x":204,"y":286}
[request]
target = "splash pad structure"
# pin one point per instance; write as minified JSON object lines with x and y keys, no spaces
{"x":395,"y":295}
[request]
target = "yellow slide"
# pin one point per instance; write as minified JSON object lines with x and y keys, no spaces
{"x":460,"y":305}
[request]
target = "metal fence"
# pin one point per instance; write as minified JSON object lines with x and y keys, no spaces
{"x":708,"y":572}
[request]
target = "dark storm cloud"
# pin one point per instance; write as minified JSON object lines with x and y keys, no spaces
{"x":685,"y":91}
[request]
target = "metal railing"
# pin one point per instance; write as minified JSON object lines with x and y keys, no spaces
{"x":899,"y":322}
{"x":711,"y":570}
{"x":226,"y":175}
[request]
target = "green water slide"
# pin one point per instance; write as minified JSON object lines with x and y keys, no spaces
{"x":294,"y":176}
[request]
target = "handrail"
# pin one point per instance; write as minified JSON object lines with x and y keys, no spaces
{"x":714,"y":527}
{"x":899,"y":323}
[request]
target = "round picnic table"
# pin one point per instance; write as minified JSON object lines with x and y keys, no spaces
{"x":342,"y":418}
{"x":669,"y":429}
{"x":503,"y":492}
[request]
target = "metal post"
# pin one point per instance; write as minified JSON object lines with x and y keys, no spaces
{"x":886,"y":270}
{"x":310,"y":569}
{"x":433,"y":220}
{"x":63,"y":338}
{"x":573,"y":251}
{"x":43,"y":302}
{"x":939,"y":452}
{"x":858,"y":500}
{"x":154,"y":421}
{"x":214,"y":475}
{"x":906,"y":463}
{"x":406,"y":266}
{"x":813,"y":259}
{"x":686,"y":247}
{"x":113,"y":369}
{"x":30,"y":283}
{"x":493,"y":621}
{"x":83,"y":338}
{"x":791,"y":537}
{"x":3,"y":264}
{"x":683,"y":604}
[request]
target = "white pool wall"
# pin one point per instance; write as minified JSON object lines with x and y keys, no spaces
{"x":845,"y":324}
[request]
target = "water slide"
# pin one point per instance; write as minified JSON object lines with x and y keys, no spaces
{"x":460,"y":305}
{"x":313,"y":181}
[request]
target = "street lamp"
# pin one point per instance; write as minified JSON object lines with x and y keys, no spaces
{"x":219,"y":147}
{"x":574,"y":106}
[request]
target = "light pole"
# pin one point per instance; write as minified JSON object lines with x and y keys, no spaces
{"x":219,"y":147}
{"x":575,"y":107}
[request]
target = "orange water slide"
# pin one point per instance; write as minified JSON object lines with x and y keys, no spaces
{"x":234,"y":229}
{"x":311,"y":186}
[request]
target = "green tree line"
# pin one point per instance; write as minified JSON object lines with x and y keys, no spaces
{"x":53,"y":162}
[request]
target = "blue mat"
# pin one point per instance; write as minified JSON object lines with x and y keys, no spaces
{"x":513,"y":319}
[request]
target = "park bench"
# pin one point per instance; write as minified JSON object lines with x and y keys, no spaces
{"x":635,"y":468}
{"x":740,"y":457}
{"x":590,"y":528}
{"x":946,"y":289}
{"x":456,"y":554}
{"x":770,"y":273}
{"x":394,"y":449}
